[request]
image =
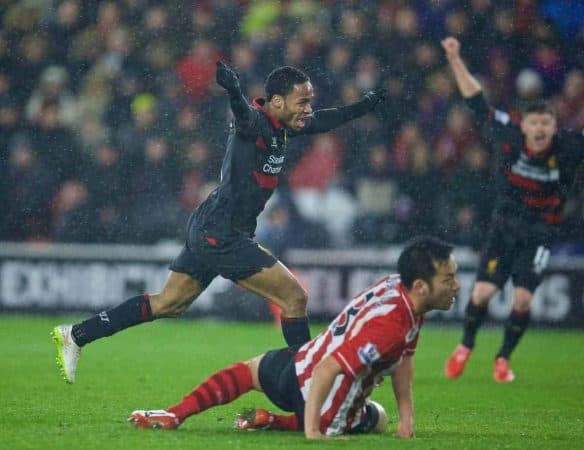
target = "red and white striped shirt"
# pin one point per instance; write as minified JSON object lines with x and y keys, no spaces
{"x":368,"y":339}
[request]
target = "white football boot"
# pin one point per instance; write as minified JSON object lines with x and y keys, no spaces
{"x":68,"y":352}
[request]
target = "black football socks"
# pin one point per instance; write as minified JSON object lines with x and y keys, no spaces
{"x":132,"y":312}
{"x":473,"y":319}
{"x":515,"y":327}
{"x":295,"y":330}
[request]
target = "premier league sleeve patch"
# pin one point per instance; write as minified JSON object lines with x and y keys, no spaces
{"x":368,"y":354}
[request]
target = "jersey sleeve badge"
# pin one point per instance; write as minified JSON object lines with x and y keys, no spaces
{"x":368,"y":354}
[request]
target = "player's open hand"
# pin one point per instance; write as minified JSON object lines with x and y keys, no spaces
{"x":226,"y":77}
{"x":405,"y":430}
{"x":319,"y":436}
{"x":451,"y":46}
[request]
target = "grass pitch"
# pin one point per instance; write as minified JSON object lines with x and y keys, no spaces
{"x":154,"y":365}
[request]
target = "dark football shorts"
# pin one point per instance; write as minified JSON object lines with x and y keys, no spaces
{"x":233,"y":256}
{"x":514,"y":253}
{"x":277,"y":375}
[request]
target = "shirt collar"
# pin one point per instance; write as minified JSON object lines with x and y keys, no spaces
{"x":260,"y":103}
{"x":408,"y":302}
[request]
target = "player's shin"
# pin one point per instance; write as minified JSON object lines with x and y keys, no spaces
{"x":220,"y":388}
{"x":473,"y":319}
{"x":295,"y":330}
{"x":515,"y":327}
{"x":133,"y":311}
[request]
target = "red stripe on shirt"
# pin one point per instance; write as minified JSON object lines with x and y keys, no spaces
{"x":338,"y":400}
{"x":260,"y":143}
{"x":265,"y":181}
{"x":553,"y":218}
{"x":523,"y":182}
{"x":542,"y":202}
{"x":317,"y":356}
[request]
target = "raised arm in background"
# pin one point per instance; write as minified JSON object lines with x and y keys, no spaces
{"x":467,"y":84}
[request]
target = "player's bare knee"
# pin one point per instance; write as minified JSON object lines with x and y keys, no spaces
{"x":170,"y":306}
{"x":295,"y":304}
{"x":522,"y":299}
{"x":254,"y":366}
{"x":482,"y":293}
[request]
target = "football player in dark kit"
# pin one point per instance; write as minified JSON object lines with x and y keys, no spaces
{"x":536,"y":166}
{"x":220,"y":232}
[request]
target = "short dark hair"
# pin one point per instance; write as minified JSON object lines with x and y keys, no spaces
{"x":539,"y":106}
{"x":418,"y":258}
{"x":281,"y":81}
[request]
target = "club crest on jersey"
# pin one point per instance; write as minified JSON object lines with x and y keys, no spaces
{"x":492,"y":266}
{"x":552,"y":162}
{"x":368,"y":353}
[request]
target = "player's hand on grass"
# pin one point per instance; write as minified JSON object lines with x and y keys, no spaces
{"x":227,"y":78}
{"x":451,"y":46}
{"x":405,"y":429}
{"x":317,"y":435}
{"x":376,"y":96}
{"x":314,"y":434}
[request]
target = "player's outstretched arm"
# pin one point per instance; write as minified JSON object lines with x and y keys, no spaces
{"x":467,"y":84}
{"x":402,"y":388}
{"x":326,"y":119}
{"x":228,"y":79}
{"x":322,"y":381}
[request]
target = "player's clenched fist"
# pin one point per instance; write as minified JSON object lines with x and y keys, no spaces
{"x":227,"y":77}
{"x":376,"y":96}
{"x":451,"y":46}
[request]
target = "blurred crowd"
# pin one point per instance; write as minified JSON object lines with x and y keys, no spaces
{"x":112,"y":128}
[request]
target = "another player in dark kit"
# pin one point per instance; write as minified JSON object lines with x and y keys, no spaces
{"x":536,"y":167}
{"x":220,"y":232}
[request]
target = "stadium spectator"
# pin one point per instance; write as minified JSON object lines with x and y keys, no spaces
{"x":327,"y":381}
{"x":568,"y":15}
{"x":74,"y":218}
{"x":106,"y":177}
{"x":529,"y":87}
{"x":569,"y":103}
{"x":57,"y":147}
{"x":450,"y":145}
{"x":133,"y":136}
{"x":467,"y":208}
{"x":53,"y":88}
{"x":197,"y":70}
{"x":283,"y":228}
{"x":420,"y":185}
{"x":153,"y":186}
{"x":115,"y":51}
{"x":536,"y":167}
{"x":376,"y":191}
{"x":31,"y":185}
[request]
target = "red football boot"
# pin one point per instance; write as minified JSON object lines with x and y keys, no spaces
{"x":455,"y":364}
{"x":253,"y":420}
{"x":154,"y":419}
{"x":502,"y":371}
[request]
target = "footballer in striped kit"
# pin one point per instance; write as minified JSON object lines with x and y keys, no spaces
{"x":326,"y":383}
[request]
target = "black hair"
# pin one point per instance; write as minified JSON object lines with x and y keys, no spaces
{"x":281,"y":81}
{"x":539,"y":106}
{"x":418,"y":258}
